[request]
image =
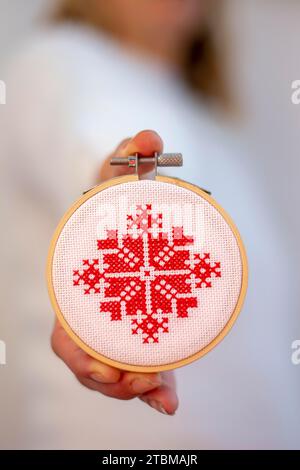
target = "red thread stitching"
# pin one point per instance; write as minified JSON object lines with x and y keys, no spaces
{"x":147,"y":276}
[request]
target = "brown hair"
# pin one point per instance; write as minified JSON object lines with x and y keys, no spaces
{"x":202,"y":65}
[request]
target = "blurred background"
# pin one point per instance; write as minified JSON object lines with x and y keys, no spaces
{"x":62,"y":117}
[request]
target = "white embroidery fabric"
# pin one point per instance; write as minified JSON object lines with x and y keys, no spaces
{"x":179,"y":207}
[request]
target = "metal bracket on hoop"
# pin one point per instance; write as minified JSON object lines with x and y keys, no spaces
{"x":151,"y":164}
{"x":157,"y":160}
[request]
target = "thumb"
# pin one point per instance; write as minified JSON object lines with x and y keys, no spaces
{"x":144,"y":143}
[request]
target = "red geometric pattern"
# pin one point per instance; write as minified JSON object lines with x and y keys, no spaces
{"x":149,"y":274}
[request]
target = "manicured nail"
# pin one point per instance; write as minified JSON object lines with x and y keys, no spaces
{"x":98,"y":378}
{"x":124,"y":145}
{"x":102,"y":374}
{"x":141,"y":385}
{"x":158,"y":406}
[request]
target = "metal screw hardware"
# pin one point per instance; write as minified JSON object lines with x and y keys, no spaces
{"x":162,"y":159}
{"x":157,"y":160}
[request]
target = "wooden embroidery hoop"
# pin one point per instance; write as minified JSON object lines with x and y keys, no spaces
{"x":130,"y":367}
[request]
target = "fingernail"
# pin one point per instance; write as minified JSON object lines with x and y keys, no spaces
{"x":158,"y":407}
{"x":123,"y":146}
{"x":105,"y":376}
{"x":141,"y":385}
{"x":98,"y":378}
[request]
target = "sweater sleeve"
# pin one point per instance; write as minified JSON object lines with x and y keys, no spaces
{"x":44,"y":152}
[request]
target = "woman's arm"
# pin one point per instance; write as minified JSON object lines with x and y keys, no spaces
{"x":53,"y":160}
{"x":157,"y":390}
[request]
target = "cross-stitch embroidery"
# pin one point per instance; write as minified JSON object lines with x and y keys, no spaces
{"x":149,"y":276}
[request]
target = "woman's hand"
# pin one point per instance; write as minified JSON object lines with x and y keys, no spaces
{"x":155,"y":389}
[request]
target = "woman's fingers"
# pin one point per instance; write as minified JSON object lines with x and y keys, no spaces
{"x":80,"y":363}
{"x":155,"y":389}
{"x":97,"y":375}
{"x":131,"y":385}
{"x":145,"y":143}
{"x":164,"y":399}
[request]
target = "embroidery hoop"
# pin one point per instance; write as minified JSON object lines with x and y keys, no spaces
{"x":132,"y":367}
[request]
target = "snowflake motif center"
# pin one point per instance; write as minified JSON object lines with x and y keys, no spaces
{"x":147,"y":273}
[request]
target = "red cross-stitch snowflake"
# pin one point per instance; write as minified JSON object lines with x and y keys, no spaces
{"x":147,"y":274}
